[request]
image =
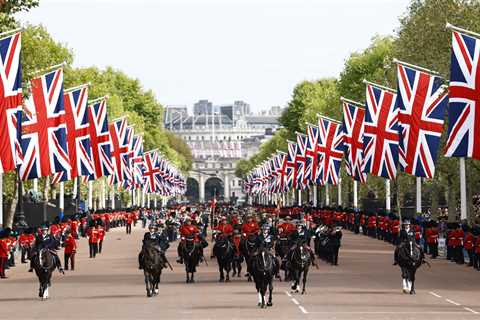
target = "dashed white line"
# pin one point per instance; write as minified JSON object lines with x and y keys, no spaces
{"x":305,"y":311}
{"x":471,"y":310}
{"x":453,"y":302}
{"x":435,"y":295}
{"x":295,"y":301}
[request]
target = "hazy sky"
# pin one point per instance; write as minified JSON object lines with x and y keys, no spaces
{"x":221,"y":50}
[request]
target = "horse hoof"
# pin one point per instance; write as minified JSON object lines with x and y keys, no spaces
{"x":221,"y":280}
{"x":187,"y":281}
{"x":269,"y":304}
{"x":412,"y":292}
{"x":149,"y":294}
{"x":259,"y":304}
{"x":228,"y":280}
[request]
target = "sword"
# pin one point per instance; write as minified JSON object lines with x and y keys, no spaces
{"x":168,"y":263}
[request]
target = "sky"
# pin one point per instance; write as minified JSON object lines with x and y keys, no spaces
{"x":221,"y":50}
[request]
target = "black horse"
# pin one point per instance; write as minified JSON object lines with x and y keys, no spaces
{"x":44,"y":265}
{"x":263,"y":271}
{"x":281,"y":250}
{"x":327,"y":244}
{"x":237,"y":259}
{"x":224,"y":251}
{"x":191,"y":252}
{"x":153,"y":262}
{"x":409,"y":257}
{"x":300,"y":260}
{"x":248,"y":248}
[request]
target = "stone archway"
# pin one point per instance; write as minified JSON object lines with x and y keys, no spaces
{"x":214,"y":186}
{"x":193,"y":190}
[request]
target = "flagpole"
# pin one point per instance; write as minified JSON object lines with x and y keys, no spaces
{"x":299,"y":197}
{"x":449,"y":26}
{"x":463,"y":190}
{"x":379,"y":86}
{"x":315,"y":195}
{"x":148,"y":200}
{"x":339,"y":192}
{"x":327,"y":196}
{"x":97,"y":99}
{"x":112,"y":198}
{"x":419,"y":195}
{"x":388,"y":205}
{"x":61,"y":200}
{"x":155,"y":201}
{"x":356,"y":103}
{"x":48,"y":69}
{"x":435,"y":73}
{"x":328,"y":118}
{"x":11,"y":32}
{"x":35,"y":185}
{"x":90,"y":194}
{"x":355,"y":194}
{"x":79,"y":194}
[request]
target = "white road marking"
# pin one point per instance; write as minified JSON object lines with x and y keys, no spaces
{"x":295,"y":301}
{"x":471,"y":310}
{"x":305,"y":311}
{"x":435,"y":295}
{"x":288,"y":293}
{"x":453,"y":302}
{"x":387,"y":312}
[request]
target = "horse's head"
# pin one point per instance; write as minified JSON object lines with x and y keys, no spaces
{"x":264,"y":261}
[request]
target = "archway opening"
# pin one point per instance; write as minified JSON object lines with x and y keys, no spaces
{"x":214,"y":187}
{"x":192,"y":193}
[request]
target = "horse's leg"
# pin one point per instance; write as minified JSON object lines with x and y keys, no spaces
{"x":263,"y":291}
{"x":188,"y":276}
{"x":412,"y":281}
{"x":259,"y":297}
{"x":220,"y":268}
{"x":305,"y":273}
{"x":192,"y":280}
{"x":147,"y":284}
{"x":270,"y":290}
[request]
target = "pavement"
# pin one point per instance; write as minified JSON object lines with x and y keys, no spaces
{"x":364,"y":286}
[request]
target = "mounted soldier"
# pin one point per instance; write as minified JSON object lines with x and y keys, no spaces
{"x":156,"y":238}
{"x":45,"y":241}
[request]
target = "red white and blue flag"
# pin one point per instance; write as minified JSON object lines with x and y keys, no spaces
{"x":120,"y":148}
{"x":136,"y":161}
{"x":381,"y":137}
{"x":44,"y":136}
{"x":353,"y":117}
{"x":281,"y":169}
{"x":100,"y":139}
{"x":291,"y":165}
{"x":311,"y":152}
{"x":151,"y":171}
{"x":10,"y":102}
{"x":301,"y":161}
{"x":422,"y":101}
{"x":330,"y":149}
{"x":78,"y":135}
{"x":128,"y":181}
{"x":464,"y":98}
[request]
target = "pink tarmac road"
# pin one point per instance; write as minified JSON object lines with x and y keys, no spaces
{"x":364,"y":286}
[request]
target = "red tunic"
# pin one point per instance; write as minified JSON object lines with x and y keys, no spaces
{"x":3,"y":248}
{"x":432,"y":235}
{"x":477,"y":245}
{"x":70,"y":245}
{"x":468,"y":243}
{"x":250,"y":228}
{"x":226,"y":229}
{"x":101,"y":233}
{"x":188,"y":230}
{"x":92,"y":234}
{"x":288,"y":229}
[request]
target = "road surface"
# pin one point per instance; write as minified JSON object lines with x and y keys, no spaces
{"x":364,"y":286}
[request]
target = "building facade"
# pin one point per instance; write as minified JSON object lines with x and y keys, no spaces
{"x":218,"y":137}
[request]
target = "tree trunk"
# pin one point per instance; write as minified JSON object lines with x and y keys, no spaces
{"x":10,"y":214}
{"x":452,"y":201}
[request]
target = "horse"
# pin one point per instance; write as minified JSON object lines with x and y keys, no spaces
{"x":224,"y":251}
{"x":299,"y":263}
{"x":191,"y":256}
{"x":263,"y":271}
{"x":409,"y":257}
{"x":44,"y":264}
{"x":248,"y":248}
{"x":281,"y":250}
{"x":327,"y":244}
{"x":237,"y":257}
{"x":153,"y":263}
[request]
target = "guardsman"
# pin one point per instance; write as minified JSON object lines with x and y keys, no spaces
{"x":476,"y":257}
{"x":129,"y":219}
{"x":70,"y":250}
{"x":363,"y":223}
{"x":372,"y":226}
{"x":431,"y":235}
{"x":395,"y":226}
{"x":418,"y":232}
{"x":3,"y":256}
{"x":250,"y":227}
{"x":468,"y":244}
{"x":26,"y":240}
{"x":92,"y":234}
{"x":101,"y":235}
{"x":380,"y":227}
{"x":458,"y":244}
{"x":287,"y":227}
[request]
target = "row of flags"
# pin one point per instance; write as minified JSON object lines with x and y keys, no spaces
{"x":59,"y":133}
{"x":394,"y":129}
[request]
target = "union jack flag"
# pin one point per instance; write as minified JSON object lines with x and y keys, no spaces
{"x":136,"y":161}
{"x":44,"y":137}
{"x":464,"y":98}
{"x":353,"y":118}
{"x":422,"y":101}
{"x":126,"y":162}
{"x":301,"y":161}
{"x":330,"y":149}
{"x":291,"y":165}
{"x":381,"y":137}
{"x":151,"y":172}
{"x":281,"y":171}
{"x":120,"y":148}
{"x":78,"y":135}
{"x":100,"y":139}
{"x":10,"y":101}
{"x":311,"y":153}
